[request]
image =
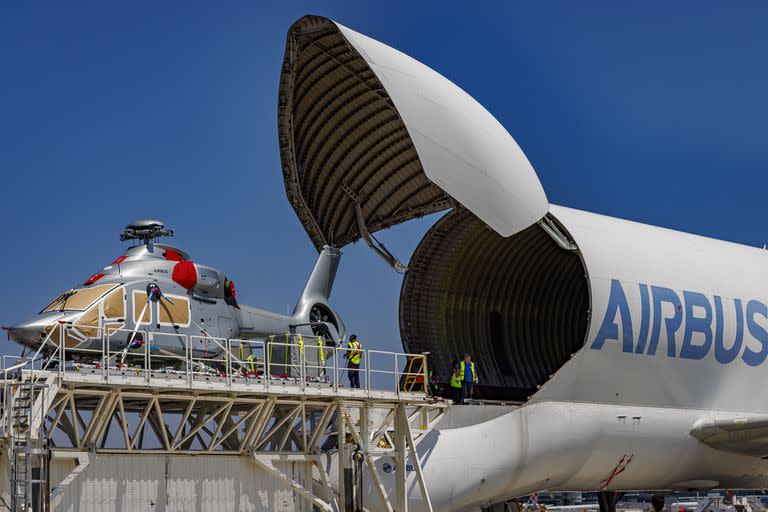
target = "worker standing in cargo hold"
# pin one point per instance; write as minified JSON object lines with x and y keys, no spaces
{"x":455,"y":382}
{"x":468,"y":377}
{"x":353,"y":361}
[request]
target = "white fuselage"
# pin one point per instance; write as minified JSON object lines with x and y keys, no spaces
{"x":562,"y":446}
{"x":619,"y":414}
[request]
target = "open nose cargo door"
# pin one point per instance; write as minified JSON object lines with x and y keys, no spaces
{"x":363,"y":124}
{"x":370,"y":138}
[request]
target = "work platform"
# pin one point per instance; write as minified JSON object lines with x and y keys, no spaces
{"x":229,"y":433}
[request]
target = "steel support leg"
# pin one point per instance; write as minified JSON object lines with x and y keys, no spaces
{"x":401,"y":475}
{"x":608,"y":500}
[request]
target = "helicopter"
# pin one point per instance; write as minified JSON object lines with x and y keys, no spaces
{"x":156,"y":288}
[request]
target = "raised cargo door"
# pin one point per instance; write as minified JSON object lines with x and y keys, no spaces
{"x":366,"y":130}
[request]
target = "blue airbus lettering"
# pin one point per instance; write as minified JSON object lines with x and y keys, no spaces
{"x":690,"y":325}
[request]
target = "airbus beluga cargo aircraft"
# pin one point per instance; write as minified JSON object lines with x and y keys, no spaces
{"x":638,"y":352}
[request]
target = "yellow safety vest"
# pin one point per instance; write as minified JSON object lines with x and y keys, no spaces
{"x":455,"y":381}
{"x":320,"y":349}
{"x":354,"y":354}
{"x":461,"y":371}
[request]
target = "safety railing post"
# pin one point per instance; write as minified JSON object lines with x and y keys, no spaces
{"x":264,"y":375}
{"x":6,"y":400}
{"x":188,"y":359}
{"x":397,"y":381}
{"x":109,"y":350}
{"x":228,"y":355}
{"x":335,"y":369}
{"x":147,"y":356}
{"x":263,"y":361}
{"x":62,"y":353}
{"x":61,"y":345}
{"x":426,"y":374}
{"x":104,"y":356}
{"x":367,"y":361}
{"x":302,"y":369}
{"x":267,"y":363}
{"x":8,"y":404}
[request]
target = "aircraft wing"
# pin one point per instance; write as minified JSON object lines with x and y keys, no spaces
{"x":747,"y":435}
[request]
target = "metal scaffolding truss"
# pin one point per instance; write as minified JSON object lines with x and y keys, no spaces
{"x":336,"y":436}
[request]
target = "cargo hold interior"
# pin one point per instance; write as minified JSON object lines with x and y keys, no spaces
{"x":520,"y":305}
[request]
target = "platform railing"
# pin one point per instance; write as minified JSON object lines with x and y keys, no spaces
{"x":14,"y":365}
{"x":114,"y":359}
{"x":203,"y":366}
{"x":247,"y":359}
{"x":287,"y":360}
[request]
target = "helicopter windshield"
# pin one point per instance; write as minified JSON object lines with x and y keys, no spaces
{"x":78,"y":299}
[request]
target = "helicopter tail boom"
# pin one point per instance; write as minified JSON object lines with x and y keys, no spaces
{"x":313,"y":313}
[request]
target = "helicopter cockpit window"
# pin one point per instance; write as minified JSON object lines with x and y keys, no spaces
{"x":79,"y":299}
{"x":174,"y":311}
{"x":114,"y":304}
{"x":56,"y":302}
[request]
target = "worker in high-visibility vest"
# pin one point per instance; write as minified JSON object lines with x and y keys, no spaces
{"x":468,"y":378}
{"x":455,"y":383}
{"x":353,"y":361}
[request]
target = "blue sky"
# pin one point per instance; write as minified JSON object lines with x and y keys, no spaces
{"x":653,"y":111}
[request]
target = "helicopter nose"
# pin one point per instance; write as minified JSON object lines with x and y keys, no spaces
{"x":31,"y":332}
{"x":25,"y":334}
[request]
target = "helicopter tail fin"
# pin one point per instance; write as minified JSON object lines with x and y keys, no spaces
{"x":313,"y":309}
{"x":320,"y":282}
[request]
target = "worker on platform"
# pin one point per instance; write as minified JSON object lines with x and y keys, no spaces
{"x":455,"y":383}
{"x":657,"y":502}
{"x":354,"y":352}
{"x":433,"y":386}
{"x":468,"y":378}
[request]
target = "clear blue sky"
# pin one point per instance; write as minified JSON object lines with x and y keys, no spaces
{"x":652,"y":111}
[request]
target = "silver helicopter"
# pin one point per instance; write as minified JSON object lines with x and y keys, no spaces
{"x":156,"y":288}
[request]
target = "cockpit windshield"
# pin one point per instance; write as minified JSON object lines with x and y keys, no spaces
{"x":78,"y":299}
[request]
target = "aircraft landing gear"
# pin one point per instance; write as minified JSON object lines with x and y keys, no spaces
{"x":608,"y":500}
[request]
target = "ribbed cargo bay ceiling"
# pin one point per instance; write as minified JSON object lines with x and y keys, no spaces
{"x":519,"y":304}
{"x":342,"y":140}
{"x":370,"y":137}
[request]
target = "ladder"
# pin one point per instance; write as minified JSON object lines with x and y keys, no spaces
{"x":413,"y":377}
{"x":28,"y":451}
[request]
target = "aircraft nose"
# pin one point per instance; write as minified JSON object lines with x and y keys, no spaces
{"x":31,"y":332}
{"x":28,"y":333}
{"x":25,"y":334}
